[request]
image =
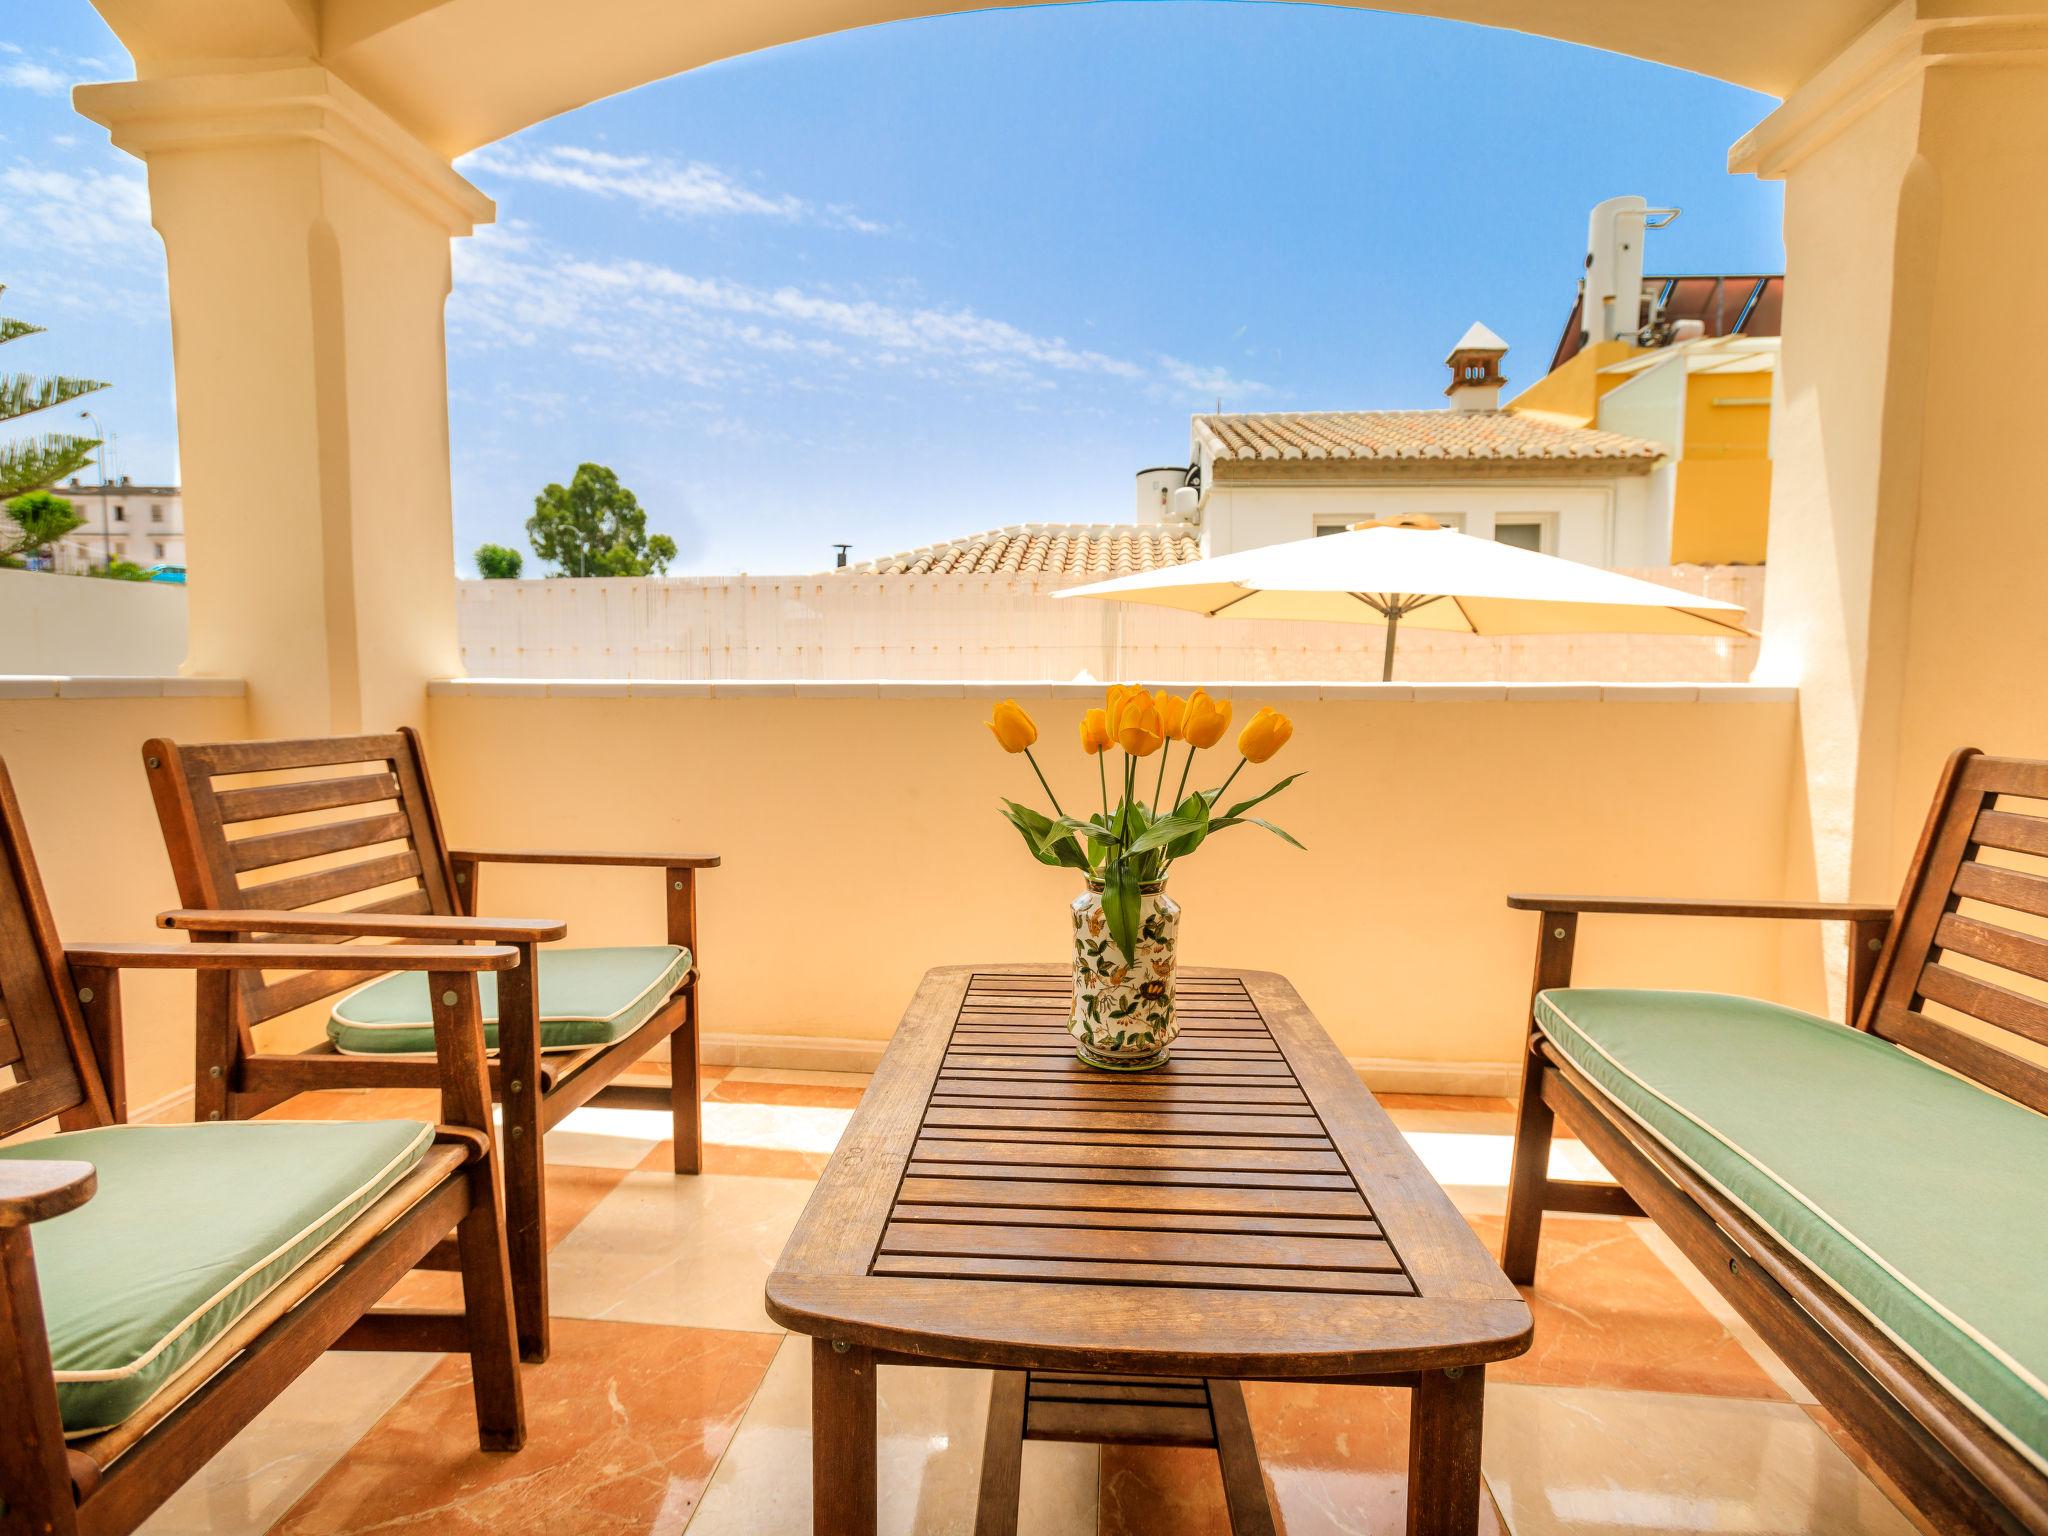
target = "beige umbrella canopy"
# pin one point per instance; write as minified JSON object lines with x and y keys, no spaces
{"x":1414,"y":571}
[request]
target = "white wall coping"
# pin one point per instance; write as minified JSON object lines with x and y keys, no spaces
{"x":53,"y":686}
{"x":1384,"y":693}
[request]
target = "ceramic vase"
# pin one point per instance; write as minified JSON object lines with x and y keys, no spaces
{"x":1123,"y":1019}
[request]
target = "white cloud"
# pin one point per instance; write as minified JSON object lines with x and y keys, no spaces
{"x":29,"y":76}
{"x":644,"y":318}
{"x":678,"y":188}
{"x":95,"y":214}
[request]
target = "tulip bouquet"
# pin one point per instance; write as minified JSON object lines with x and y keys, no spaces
{"x":1126,"y":847}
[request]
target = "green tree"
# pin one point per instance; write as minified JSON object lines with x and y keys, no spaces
{"x":120,"y":570}
{"x":32,"y":462}
{"x":594,"y":527}
{"x":494,"y":562}
{"x":39,"y":520}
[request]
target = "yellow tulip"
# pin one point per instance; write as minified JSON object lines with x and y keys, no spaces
{"x":1013,"y":730}
{"x":1206,"y":720}
{"x":1095,"y":737}
{"x":1266,"y":734}
{"x":1139,"y":730}
{"x":1172,"y":712}
{"x":1119,"y":699}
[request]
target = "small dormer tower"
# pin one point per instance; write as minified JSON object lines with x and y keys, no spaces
{"x":1475,"y":370}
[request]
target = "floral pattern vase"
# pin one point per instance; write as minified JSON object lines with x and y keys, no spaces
{"x":1123,"y":1018}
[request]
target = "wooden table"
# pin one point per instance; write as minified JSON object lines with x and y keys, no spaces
{"x":1123,"y":1251}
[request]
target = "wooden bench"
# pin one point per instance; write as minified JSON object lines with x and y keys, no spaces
{"x":123,"y":1366}
{"x":255,"y":829}
{"x":1874,"y":1201}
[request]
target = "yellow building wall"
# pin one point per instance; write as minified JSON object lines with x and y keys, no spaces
{"x":1721,"y":512}
{"x":1721,"y":508}
{"x":1571,"y":393}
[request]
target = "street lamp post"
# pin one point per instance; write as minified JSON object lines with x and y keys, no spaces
{"x":99,"y":459}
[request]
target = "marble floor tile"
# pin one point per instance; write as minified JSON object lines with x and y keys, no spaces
{"x":813,"y":1095}
{"x":607,"y":1136}
{"x":797,"y":1075}
{"x":1702,"y":1290}
{"x":573,"y":1192}
{"x":790,"y":1127}
{"x":624,"y":1426}
{"x":287,"y":1449}
{"x":1574,"y":1462}
{"x":692,"y":1252}
{"x":755,"y":1162}
{"x":1610,"y":1313}
{"x":930,"y":1428}
{"x":1858,"y":1455}
{"x":1335,"y":1459}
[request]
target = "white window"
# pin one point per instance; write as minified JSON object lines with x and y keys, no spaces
{"x":156,"y":512}
{"x":1533,"y":531}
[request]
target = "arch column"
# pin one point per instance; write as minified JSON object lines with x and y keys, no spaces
{"x":1908,"y":540}
{"x":307,"y":238}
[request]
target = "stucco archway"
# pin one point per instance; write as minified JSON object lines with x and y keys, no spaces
{"x":299,"y":173}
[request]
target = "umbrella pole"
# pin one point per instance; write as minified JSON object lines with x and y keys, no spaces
{"x":1393,"y":624}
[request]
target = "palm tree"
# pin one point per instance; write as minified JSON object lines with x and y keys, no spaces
{"x":30,"y":463}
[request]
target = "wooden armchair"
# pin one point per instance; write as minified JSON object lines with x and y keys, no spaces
{"x":159,"y":1285}
{"x":1872,"y":1199}
{"x":563,"y":1024}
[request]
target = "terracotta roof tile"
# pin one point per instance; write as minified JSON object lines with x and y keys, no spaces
{"x":1045,"y":549}
{"x":1408,"y":435}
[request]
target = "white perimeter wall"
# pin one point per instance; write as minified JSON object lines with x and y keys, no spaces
{"x":967,"y":628}
{"x":77,"y":626}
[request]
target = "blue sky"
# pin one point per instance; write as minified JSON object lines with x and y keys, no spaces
{"x":922,"y":279}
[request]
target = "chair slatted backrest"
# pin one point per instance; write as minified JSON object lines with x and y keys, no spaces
{"x":1966,"y":965}
{"x":334,"y":824}
{"x":46,"y":1066}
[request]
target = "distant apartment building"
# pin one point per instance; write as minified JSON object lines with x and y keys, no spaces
{"x":1557,"y":488}
{"x":1646,"y":445}
{"x":142,"y":524}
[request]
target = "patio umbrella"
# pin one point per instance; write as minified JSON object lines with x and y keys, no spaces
{"x":1413,"y":571}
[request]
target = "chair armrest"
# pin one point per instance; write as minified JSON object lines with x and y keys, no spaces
{"x":36,"y":1191}
{"x":295,"y":957}
{"x":367,"y":925}
{"x":541,"y":856}
{"x":1644,"y":906}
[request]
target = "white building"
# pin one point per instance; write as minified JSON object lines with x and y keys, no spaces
{"x":1564,"y":490}
{"x":142,"y":524}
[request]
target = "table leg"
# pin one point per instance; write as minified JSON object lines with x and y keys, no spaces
{"x":842,"y":1439}
{"x":1002,"y":1456}
{"x":1237,"y":1453}
{"x":1443,"y":1452}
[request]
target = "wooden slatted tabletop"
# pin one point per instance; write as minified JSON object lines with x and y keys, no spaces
{"x":1245,"y":1212}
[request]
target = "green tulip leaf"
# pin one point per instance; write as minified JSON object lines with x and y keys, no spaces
{"x":1244,"y":805}
{"x":1121,"y":900}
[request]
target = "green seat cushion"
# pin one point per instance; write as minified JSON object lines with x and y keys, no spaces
{"x":587,"y":997}
{"x":192,"y":1226}
{"x":1920,"y":1197}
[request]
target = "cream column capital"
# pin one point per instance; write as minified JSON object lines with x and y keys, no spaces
{"x":1898,"y":48}
{"x":302,"y":102}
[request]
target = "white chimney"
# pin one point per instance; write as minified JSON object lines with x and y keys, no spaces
{"x":1475,"y":370}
